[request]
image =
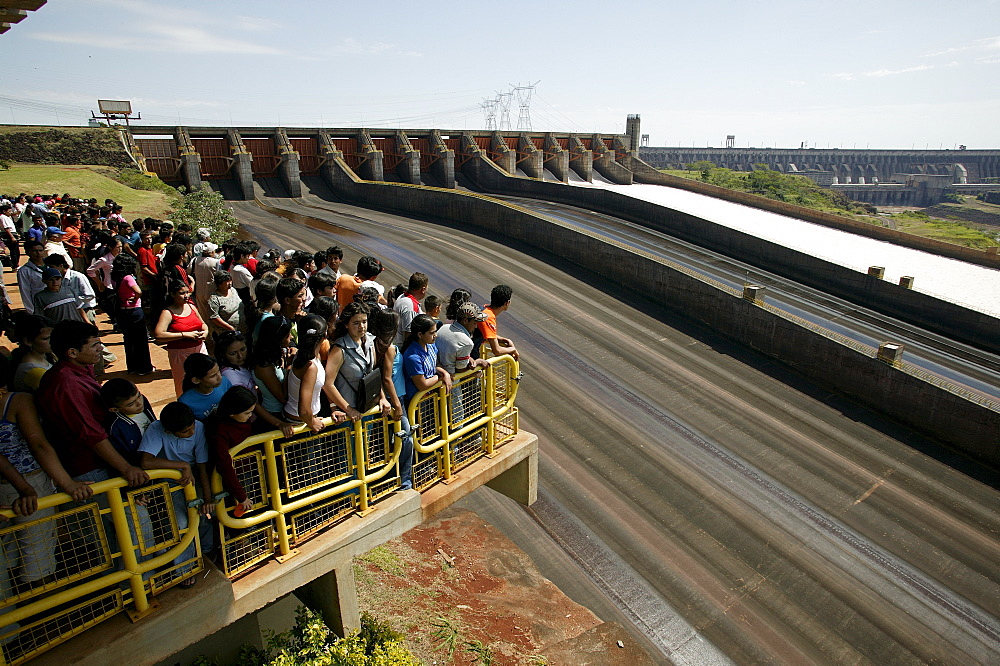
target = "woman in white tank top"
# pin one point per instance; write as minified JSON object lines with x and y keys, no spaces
{"x":307,"y":375}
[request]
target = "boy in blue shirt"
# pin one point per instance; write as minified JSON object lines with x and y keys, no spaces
{"x":177,"y":441}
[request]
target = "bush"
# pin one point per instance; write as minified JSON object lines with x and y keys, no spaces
{"x":206,"y":208}
{"x":139,"y":181}
{"x":311,"y":643}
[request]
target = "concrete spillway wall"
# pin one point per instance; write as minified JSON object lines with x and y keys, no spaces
{"x":932,"y":313}
{"x":647,"y":174}
{"x":898,"y":391}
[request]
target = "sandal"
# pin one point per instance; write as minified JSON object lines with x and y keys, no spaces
{"x":188,"y":583}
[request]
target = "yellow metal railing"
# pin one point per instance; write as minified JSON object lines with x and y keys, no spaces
{"x":115,"y":553}
{"x":74,"y":564}
{"x":299,"y":486}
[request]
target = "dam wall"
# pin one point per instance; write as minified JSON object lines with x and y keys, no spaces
{"x":897,"y":390}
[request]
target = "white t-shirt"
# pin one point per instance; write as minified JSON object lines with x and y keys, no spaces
{"x":241,"y":276}
{"x":8,"y":223}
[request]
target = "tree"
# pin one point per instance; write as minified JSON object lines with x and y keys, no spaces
{"x":704,"y":166}
{"x":206,"y":208}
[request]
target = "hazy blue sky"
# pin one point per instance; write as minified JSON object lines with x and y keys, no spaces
{"x":774,"y":73}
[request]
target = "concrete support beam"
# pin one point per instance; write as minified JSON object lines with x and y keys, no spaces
{"x":443,"y":168}
{"x":478,"y":167}
{"x":372,"y":160}
{"x":556,"y":159}
{"x":288,"y":168}
{"x":334,"y":595}
{"x":190,"y":160}
{"x":505,"y":158}
{"x":529,"y":158}
{"x":581,"y":159}
{"x":409,"y":169}
{"x":605,"y":164}
{"x":242,"y":169}
{"x":520,"y":482}
{"x":334,"y":170}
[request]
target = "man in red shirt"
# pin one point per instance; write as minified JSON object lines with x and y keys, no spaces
{"x":73,"y":414}
{"x":499,"y":302}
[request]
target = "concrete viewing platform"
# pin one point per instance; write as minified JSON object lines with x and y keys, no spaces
{"x":320,"y":573}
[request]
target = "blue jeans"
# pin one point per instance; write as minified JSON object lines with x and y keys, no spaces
{"x":205,"y":533}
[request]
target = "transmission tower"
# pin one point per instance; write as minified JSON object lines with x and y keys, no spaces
{"x":503,"y":107}
{"x":489,"y":107}
{"x":523,"y":94}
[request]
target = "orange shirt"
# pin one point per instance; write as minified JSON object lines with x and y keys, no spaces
{"x":347,"y":287}
{"x":489,"y":327}
{"x":71,"y":240}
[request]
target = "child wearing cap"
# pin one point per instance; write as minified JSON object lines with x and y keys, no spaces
{"x":54,"y":244}
{"x":53,"y":303}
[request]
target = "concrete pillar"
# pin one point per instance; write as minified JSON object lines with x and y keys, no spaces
{"x":529,"y":158}
{"x":632,"y":131}
{"x":556,"y":159}
{"x":242,"y":169}
{"x":581,"y":159}
{"x":333,"y":169}
{"x":520,"y":482}
{"x":409,"y":169}
{"x":288,"y":168}
{"x":443,"y":168}
{"x":190,"y":160}
{"x":334,"y":595}
{"x":505,"y":158}
{"x":605,"y":164}
{"x":371,"y":167}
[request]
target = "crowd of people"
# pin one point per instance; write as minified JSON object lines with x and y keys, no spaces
{"x":254,"y":343}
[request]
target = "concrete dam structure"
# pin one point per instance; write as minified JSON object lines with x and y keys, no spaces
{"x":881,"y":177}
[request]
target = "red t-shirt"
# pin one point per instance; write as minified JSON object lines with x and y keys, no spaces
{"x":148,"y":260}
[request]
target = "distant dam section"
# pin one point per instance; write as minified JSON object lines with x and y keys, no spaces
{"x":880,"y":177}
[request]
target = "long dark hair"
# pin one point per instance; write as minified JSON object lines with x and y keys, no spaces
{"x":267,"y":348}
{"x":223,"y":342}
{"x":420,"y":324}
{"x":26,"y":327}
{"x":312,"y":329}
{"x":383,"y":324}
{"x":349,"y":312}
{"x":124,"y":264}
{"x":236,"y":400}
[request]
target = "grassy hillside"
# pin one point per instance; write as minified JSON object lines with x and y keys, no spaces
{"x":84,"y":182}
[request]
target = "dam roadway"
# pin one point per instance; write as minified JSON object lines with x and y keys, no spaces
{"x":724,"y":507}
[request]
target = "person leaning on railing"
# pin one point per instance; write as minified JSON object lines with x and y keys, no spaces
{"x":69,"y":401}
{"x":351,"y":358}
{"x":37,"y":474}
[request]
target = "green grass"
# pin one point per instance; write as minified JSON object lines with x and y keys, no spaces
{"x":84,"y":182}
{"x":921,"y":224}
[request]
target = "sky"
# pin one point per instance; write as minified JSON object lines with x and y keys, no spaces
{"x":878,"y":74}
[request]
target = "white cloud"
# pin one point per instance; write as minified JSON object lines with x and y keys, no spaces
{"x":989,"y":43}
{"x":879,"y":73}
{"x":159,"y":28}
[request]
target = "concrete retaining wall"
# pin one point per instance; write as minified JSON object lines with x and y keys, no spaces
{"x":949,"y":417}
{"x":934,"y":314}
{"x":643,"y":173}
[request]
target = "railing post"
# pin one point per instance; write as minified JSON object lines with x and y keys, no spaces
{"x":442,"y":408}
{"x":489,"y":385}
{"x":360,"y":467}
{"x":130,"y":562}
{"x":280,"y":525}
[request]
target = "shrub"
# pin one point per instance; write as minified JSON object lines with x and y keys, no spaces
{"x":206,"y":208}
{"x":139,"y":181}
{"x":311,"y":643}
